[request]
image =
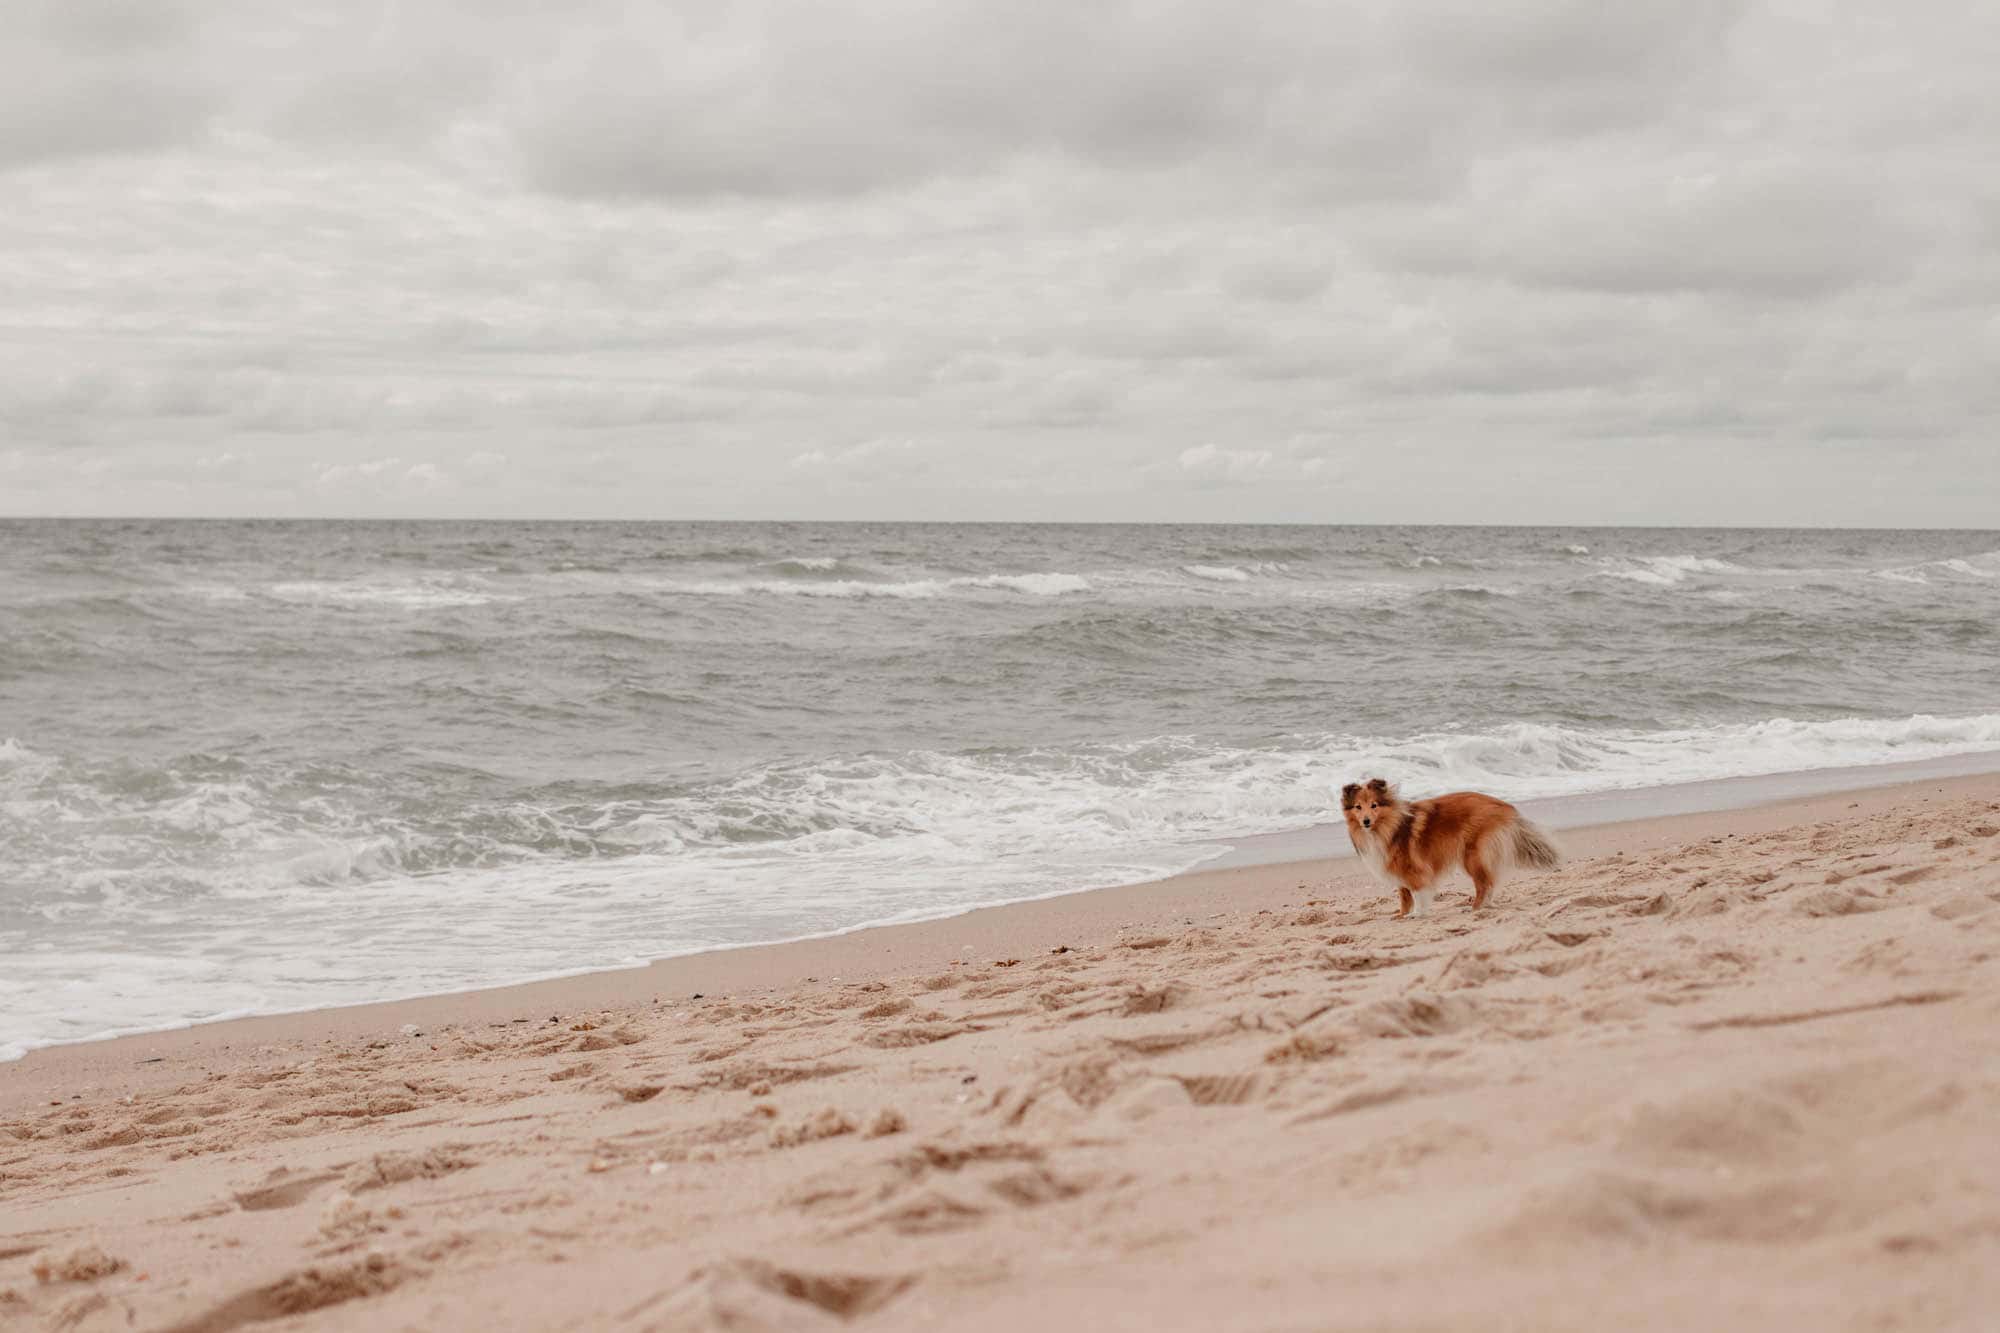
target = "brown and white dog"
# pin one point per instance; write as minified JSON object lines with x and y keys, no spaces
{"x":1410,"y":844}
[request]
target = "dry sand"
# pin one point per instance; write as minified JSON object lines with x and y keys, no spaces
{"x":1729,"y":1070}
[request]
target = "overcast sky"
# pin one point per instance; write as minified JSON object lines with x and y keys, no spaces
{"x":1488,"y":260}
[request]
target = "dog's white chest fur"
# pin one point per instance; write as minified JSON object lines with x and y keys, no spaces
{"x":1371,"y":856}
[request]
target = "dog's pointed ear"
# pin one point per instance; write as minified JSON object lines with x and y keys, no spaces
{"x":1380,"y":787}
{"x":1349,"y":794}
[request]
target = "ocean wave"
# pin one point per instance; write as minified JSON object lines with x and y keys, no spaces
{"x":15,"y":757}
{"x":1243,"y":573}
{"x":1255,"y":554}
{"x":1474,"y":590}
{"x":255,"y":830}
{"x":1664,"y":571}
{"x":407,"y":594}
{"x":714,"y":555}
{"x":61,"y":610}
{"x":216,"y":592}
{"x":1038,"y":585}
{"x":1982,"y":568}
{"x":1531,"y":759}
{"x":1032,"y":585}
{"x":817,"y":567}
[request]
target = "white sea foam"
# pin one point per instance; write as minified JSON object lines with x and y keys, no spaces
{"x":1038,"y":585}
{"x":12,"y":752}
{"x":1543,"y":760}
{"x":1981,"y":568}
{"x":288,"y":921}
{"x":1664,"y":571}
{"x":1243,"y":573}
{"x":1033,"y":585}
{"x":409,"y":594}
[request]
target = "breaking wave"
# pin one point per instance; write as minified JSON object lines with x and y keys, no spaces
{"x":1978,"y":567}
{"x":1032,"y":585}
{"x":1664,"y":571}
{"x":1236,"y":573}
{"x":396,"y":593}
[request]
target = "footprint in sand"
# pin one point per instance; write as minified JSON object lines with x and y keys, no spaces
{"x":300,"y":1292}
{"x":283,"y":1189}
{"x":753,"y":1294}
{"x":393,"y":1168}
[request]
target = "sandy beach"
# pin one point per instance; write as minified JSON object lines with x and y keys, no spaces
{"x":1735,"y":1069}
{"x":704,"y":669}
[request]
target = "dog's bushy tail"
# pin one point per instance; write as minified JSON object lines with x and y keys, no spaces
{"x":1528,"y":845}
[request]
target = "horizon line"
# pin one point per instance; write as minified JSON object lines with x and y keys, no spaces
{"x":983,"y":522}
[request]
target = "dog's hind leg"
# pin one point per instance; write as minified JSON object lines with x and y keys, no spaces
{"x":1481,"y":870}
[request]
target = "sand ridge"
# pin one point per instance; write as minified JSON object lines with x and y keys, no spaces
{"x":1727,"y":1083}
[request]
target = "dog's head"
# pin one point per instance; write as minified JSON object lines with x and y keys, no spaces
{"x":1367,"y":803}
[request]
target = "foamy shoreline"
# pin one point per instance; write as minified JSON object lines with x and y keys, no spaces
{"x":1315,"y":842}
{"x":1256,"y":862}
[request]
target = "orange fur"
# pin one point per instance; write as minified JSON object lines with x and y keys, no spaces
{"x":1411,"y":844}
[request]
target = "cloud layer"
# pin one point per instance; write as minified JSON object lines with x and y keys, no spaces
{"x":1546,"y":261}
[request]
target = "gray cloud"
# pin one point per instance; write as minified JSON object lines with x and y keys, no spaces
{"x":1786,"y":231}
{"x":970,"y":260}
{"x":764,"y":100}
{"x":97,"y":77}
{"x":688,"y":101}
{"x":1370,"y":99}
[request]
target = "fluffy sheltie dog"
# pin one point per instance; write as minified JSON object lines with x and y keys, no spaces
{"x":1409,"y":844}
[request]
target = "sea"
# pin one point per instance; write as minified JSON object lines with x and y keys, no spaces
{"x":252,"y":767}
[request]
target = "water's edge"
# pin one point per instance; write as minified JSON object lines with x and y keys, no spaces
{"x":1588,"y":809}
{"x":1323,"y":841}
